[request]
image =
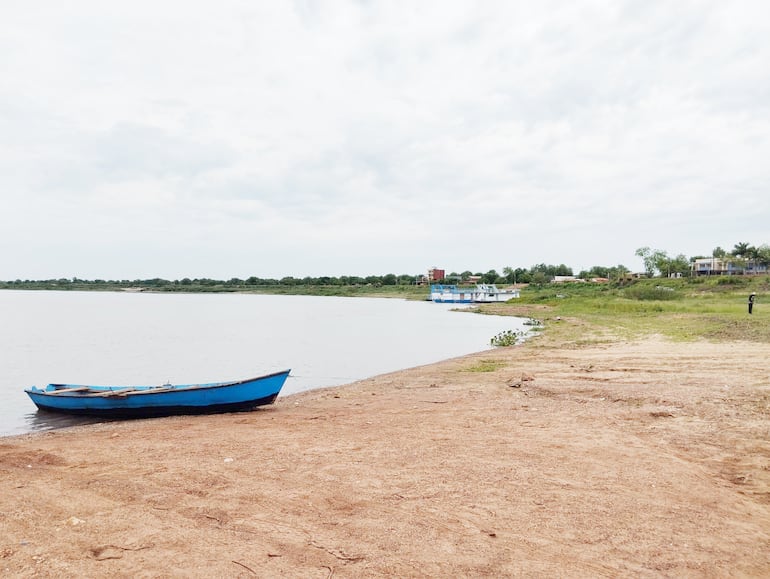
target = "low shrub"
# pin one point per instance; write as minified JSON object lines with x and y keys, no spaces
{"x":733,"y":280}
{"x":507,"y":338}
{"x":646,"y":293}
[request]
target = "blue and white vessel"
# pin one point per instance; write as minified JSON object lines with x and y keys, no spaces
{"x":480,"y":294}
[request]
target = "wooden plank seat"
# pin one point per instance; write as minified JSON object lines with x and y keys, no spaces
{"x":127,"y":391}
{"x":68,"y":390}
{"x":105,"y":393}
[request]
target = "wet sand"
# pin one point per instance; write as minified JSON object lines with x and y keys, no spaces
{"x":645,"y":459}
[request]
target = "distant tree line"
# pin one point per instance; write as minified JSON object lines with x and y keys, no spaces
{"x":209,"y":284}
{"x":656,"y":262}
{"x":540,"y":273}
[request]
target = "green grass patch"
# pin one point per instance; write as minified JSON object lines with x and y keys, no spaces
{"x":367,"y":291}
{"x":490,"y":365}
{"x":684,"y":309}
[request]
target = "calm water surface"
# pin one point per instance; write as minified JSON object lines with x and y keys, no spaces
{"x":138,"y":338}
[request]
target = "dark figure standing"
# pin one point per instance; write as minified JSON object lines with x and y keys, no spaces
{"x":751,"y":302}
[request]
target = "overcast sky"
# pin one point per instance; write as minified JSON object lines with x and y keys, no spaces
{"x":236,"y":138}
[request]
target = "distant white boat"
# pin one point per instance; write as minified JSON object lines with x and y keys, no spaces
{"x":482,"y":293}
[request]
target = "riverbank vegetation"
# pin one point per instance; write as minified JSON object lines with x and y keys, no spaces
{"x":712,"y":308}
{"x":372,"y":286}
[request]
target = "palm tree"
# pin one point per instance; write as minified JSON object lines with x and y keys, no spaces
{"x":741,"y":249}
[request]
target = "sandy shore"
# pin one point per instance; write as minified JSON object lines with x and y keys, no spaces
{"x":632,"y":459}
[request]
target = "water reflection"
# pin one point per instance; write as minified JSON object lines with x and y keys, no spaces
{"x":41,"y":420}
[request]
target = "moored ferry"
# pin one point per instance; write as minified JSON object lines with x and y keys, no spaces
{"x":480,"y":294}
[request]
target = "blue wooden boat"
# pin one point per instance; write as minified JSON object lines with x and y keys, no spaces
{"x":163,"y":400}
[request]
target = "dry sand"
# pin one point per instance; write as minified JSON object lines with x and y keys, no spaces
{"x":636,"y":459}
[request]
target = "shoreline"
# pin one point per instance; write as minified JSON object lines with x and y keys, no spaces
{"x":352,"y":348}
{"x":647,"y":458}
{"x":86,"y":421}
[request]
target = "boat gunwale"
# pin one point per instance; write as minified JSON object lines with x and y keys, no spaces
{"x":103,"y":391}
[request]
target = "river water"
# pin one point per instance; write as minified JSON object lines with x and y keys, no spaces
{"x":121,"y":338}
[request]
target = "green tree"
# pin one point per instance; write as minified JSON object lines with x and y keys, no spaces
{"x":654,"y":260}
{"x":763,"y":254}
{"x":490,"y":277}
{"x":550,"y":270}
{"x":662,"y":263}
{"x":595,"y":271}
{"x":539,"y":278}
{"x":679,"y":265}
{"x":741,"y":249}
{"x":618,"y":271}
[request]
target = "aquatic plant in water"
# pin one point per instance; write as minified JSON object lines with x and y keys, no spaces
{"x":507,"y":338}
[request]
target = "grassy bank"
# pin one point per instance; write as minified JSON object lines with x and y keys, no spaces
{"x":684,"y":309}
{"x":359,"y":290}
{"x":385,"y":291}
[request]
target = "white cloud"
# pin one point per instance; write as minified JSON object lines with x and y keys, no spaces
{"x":186,"y":138}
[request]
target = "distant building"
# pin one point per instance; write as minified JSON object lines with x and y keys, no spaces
{"x":435,"y":274}
{"x":628,"y":276}
{"x":710,"y":266}
{"x":726,"y":266}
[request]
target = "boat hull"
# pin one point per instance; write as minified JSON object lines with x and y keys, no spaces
{"x":451,"y":300}
{"x":481,"y":294}
{"x":165,"y":400}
